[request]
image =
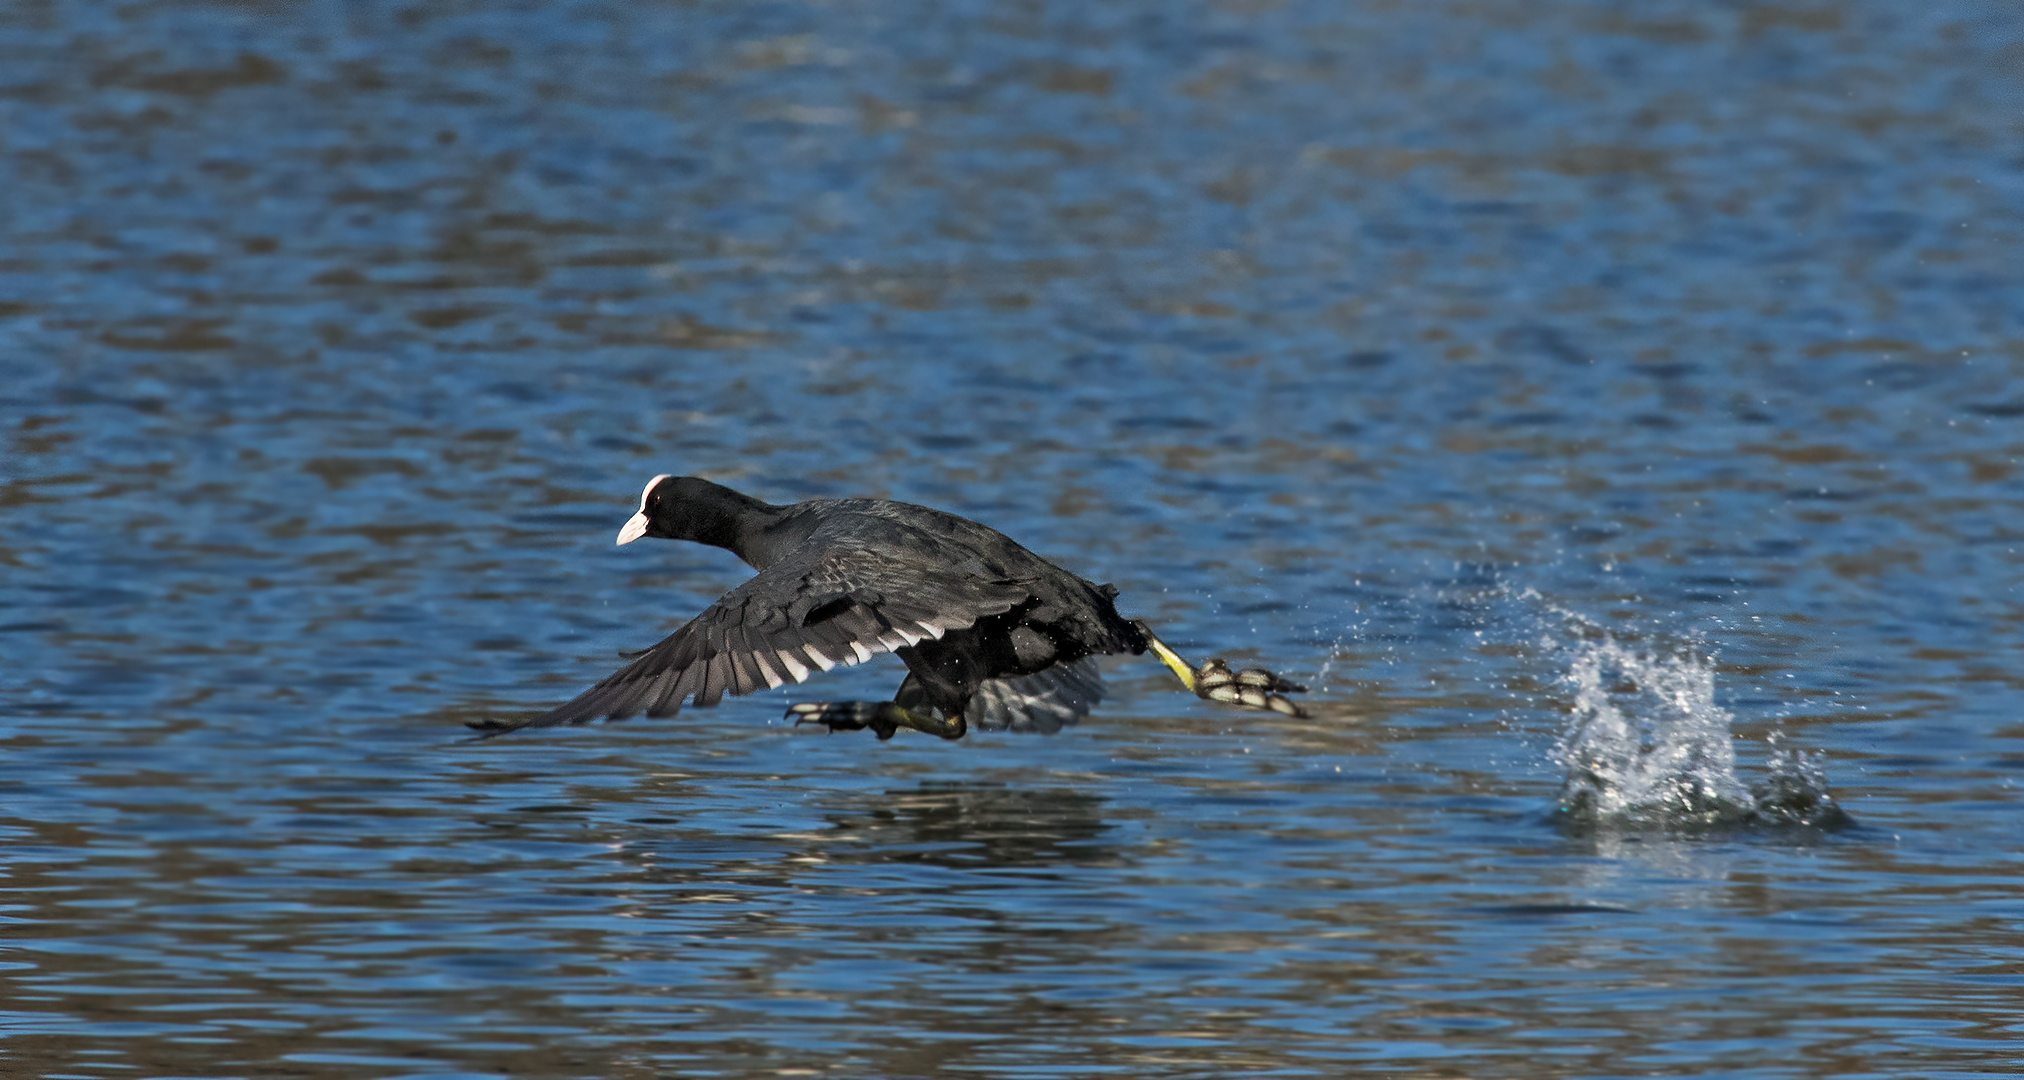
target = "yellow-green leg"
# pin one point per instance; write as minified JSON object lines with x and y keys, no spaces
{"x":1253,"y":688}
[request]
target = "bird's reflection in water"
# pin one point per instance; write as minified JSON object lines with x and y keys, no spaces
{"x":976,"y":825}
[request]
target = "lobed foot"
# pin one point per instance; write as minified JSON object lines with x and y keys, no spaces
{"x":845,"y":716}
{"x":1253,"y":687}
{"x":1214,"y":681}
{"x":884,"y":718}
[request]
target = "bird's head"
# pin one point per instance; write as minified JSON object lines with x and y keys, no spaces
{"x":688,"y":508}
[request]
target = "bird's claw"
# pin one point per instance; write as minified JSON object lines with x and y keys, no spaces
{"x":882,"y":717}
{"x":846,"y":716}
{"x":1252,"y":687}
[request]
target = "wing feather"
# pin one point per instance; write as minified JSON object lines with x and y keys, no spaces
{"x":745,"y":657}
{"x":716,"y":680}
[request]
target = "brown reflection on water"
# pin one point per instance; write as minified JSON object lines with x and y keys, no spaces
{"x":636,"y":907}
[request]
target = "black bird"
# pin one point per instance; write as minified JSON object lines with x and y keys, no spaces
{"x":989,"y":631}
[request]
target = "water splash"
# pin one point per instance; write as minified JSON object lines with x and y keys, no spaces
{"x":1648,"y":747}
{"x":1794,"y":791}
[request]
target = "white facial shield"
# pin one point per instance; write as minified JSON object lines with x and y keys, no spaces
{"x":636,"y":526}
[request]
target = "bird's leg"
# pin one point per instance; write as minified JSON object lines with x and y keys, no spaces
{"x":911,"y":707}
{"x":1214,"y":681}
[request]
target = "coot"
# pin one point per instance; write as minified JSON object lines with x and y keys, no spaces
{"x":990,"y":632}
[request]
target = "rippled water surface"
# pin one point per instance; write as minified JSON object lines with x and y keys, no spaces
{"x":1613,"y":411}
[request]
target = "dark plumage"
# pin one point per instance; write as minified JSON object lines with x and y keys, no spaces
{"x":989,"y":631}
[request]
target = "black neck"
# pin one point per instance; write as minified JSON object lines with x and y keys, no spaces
{"x":716,"y":515}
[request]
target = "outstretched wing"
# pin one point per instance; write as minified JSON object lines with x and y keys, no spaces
{"x":823,"y":605}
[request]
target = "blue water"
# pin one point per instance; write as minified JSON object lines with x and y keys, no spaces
{"x":1609,"y":411}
